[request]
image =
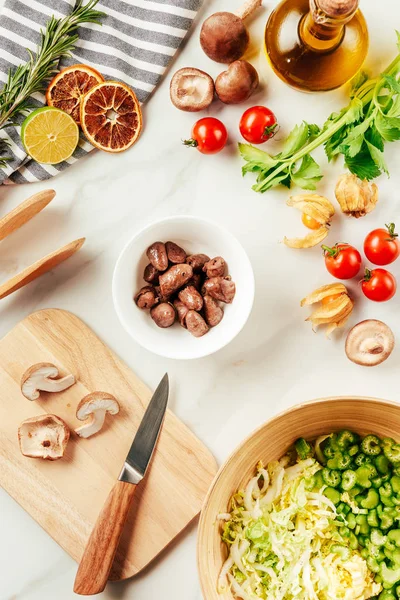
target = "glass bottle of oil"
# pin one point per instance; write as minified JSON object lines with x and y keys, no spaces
{"x":316,"y":45}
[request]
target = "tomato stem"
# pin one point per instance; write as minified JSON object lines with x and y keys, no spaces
{"x":367,"y":274}
{"x":191,"y":143}
{"x":391,"y":230}
{"x":333,"y":252}
{"x":270,"y":131}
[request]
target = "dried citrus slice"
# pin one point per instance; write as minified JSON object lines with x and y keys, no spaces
{"x":67,"y":88}
{"x":49,"y":135}
{"x":111,"y":117}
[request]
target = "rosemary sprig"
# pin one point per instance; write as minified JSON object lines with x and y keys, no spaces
{"x":57,"y":41}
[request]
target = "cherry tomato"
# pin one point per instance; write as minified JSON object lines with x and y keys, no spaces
{"x":310,"y":222}
{"x":342,"y":261}
{"x":258,"y":124}
{"x":382,"y":246}
{"x":379,"y":285}
{"x":209,"y":136}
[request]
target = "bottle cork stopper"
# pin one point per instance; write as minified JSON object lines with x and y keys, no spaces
{"x":338,"y":8}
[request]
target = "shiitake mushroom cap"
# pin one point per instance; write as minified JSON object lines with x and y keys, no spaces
{"x":224,"y":37}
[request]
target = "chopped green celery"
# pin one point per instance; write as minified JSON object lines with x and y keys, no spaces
{"x":331,"y":478}
{"x":349,"y":480}
{"x":372,"y":518}
{"x":387,"y":501}
{"x":362,"y":540}
{"x":371,"y":500}
{"x":371,"y":445}
{"x":364,"y":474}
{"x":342,"y":551}
{"x":373,"y":565}
{"x":353,"y":450}
{"x":389,"y":576}
{"x":396,"y":557}
{"x":395,"y":482}
{"x":353,"y":541}
{"x":351,"y":521}
{"x":395,"y":500}
{"x":388,"y":441}
{"x":362,"y":459}
{"x":396,"y":471}
{"x":378,"y":538}
{"x":389,"y":551}
{"x":330,"y":450}
{"x":386,"y":490}
{"x":346,"y":438}
{"x":386,"y":521}
{"x":398,"y":591}
{"x":332,"y":494}
{"x":355,"y":491}
{"x":364,"y":553}
{"x":387,"y":595}
{"x":382,"y":464}
{"x":392,"y":453}
{"x":377,"y":482}
{"x":303,"y":448}
{"x":340,"y":507}
{"x":394,"y":536}
{"x":310,"y":483}
{"x":344,"y":531}
{"x":319,"y":482}
{"x":339,"y":461}
{"x":361,"y":519}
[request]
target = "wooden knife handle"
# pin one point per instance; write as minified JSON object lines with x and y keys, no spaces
{"x":98,"y":557}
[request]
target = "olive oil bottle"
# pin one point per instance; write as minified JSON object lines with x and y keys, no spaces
{"x":316,"y":45}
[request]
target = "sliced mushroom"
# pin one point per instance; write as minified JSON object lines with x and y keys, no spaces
{"x":369,"y":343}
{"x":146,"y":297}
{"x":157,"y":255}
{"x":212,"y":311}
{"x":163,"y":315}
{"x":215,"y":267}
{"x":93,"y":409}
{"x":220,"y":288}
{"x":191,"y":89}
{"x":45,"y":436}
{"x":196,"y":324}
{"x":43,"y":378}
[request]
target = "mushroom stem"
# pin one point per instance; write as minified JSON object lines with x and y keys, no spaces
{"x":85,"y":431}
{"x":53,"y":385}
{"x":248,"y":8}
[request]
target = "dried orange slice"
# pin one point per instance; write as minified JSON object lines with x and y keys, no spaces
{"x":111,"y":117}
{"x":67,"y":88}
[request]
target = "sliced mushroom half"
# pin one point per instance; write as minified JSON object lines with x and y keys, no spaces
{"x":93,"y":409}
{"x":191,"y":89}
{"x":369,"y":343}
{"x":43,"y":378}
{"x":45,"y":437}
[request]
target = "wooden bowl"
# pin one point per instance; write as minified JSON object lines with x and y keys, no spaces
{"x":270,"y":442}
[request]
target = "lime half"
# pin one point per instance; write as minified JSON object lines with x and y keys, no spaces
{"x":49,"y":135}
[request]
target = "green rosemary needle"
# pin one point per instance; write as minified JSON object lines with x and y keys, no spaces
{"x":56,"y":41}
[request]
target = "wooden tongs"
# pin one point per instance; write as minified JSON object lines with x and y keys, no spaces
{"x":13,"y":221}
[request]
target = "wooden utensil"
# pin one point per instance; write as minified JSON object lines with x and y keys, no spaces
{"x":25,"y":212}
{"x":66,"y":496}
{"x":270,"y":442}
{"x":99,"y":554}
{"x":40,"y":267}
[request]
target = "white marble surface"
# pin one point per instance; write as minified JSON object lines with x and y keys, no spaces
{"x":275,"y":362}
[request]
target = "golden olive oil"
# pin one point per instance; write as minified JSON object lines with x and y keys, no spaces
{"x":316,"y":45}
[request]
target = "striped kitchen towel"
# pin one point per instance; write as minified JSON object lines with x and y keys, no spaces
{"x":134,"y":44}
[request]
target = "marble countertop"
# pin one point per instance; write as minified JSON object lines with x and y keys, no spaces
{"x":276,"y":361}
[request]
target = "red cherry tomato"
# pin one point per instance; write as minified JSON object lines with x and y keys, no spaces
{"x":379,"y":285}
{"x":382,"y":246}
{"x":209,"y":136}
{"x":258,"y":124}
{"x":342,"y":261}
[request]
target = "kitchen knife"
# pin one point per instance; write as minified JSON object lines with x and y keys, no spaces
{"x":98,"y":557}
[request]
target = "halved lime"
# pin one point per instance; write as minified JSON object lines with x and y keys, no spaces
{"x":49,"y":135}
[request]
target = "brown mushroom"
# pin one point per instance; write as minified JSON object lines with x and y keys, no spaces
{"x":191,"y":298}
{"x":197,"y":261}
{"x":237,"y":83}
{"x":157,"y":255}
{"x":215,"y":267}
{"x":93,"y":409}
{"x":43,"y":378}
{"x":191,"y":89}
{"x":45,"y":436}
{"x":182,"y":310}
{"x":224,"y":37}
{"x":196,"y":324}
{"x":175,"y":253}
{"x":151,"y":274}
{"x":163,"y":315}
{"x":213,"y":313}
{"x":369,"y":343}
{"x":220,"y":288}
{"x":175,"y":278}
{"x":146,"y":297}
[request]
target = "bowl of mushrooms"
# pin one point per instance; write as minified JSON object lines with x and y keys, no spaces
{"x":183,"y":287}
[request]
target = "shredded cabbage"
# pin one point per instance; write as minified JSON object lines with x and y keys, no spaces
{"x":280,"y":536}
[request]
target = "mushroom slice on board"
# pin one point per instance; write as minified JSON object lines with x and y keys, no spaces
{"x":369,"y":343}
{"x":93,"y":409}
{"x":191,"y":90}
{"x":43,"y":378}
{"x":45,"y":436}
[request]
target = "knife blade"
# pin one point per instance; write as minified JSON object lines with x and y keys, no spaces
{"x":141,"y":451}
{"x":98,"y":557}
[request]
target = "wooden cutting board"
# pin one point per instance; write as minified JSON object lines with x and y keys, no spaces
{"x":65,"y":496}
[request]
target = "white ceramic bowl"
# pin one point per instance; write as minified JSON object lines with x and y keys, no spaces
{"x":194,"y":235}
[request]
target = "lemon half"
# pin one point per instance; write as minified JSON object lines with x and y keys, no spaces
{"x":49,"y":135}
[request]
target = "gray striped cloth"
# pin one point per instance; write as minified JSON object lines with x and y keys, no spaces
{"x":134,"y":44}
